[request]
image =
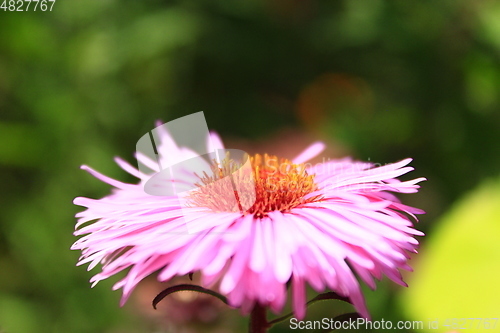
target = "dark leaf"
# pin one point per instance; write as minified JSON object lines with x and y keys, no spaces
{"x":186,"y":287}
{"x":352,"y":316}
{"x":321,"y":297}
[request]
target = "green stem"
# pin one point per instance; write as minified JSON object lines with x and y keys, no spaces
{"x":258,"y":320}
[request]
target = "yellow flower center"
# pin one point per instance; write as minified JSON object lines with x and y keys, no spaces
{"x":264,"y":185}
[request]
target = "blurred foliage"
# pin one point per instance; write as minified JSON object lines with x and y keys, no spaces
{"x":459,"y":268}
{"x":384,"y":79}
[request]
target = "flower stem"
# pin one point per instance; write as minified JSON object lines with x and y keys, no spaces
{"x":258,"y":320}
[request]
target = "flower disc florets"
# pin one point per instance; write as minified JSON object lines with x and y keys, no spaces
{"x":274,"y":184}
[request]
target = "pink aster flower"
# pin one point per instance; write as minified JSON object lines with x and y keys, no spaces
{"x":308,"y":224}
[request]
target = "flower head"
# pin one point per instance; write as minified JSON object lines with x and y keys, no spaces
{"x":299,"y":224}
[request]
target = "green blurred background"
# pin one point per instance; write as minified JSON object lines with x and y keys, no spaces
{"x":378,"y":80}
